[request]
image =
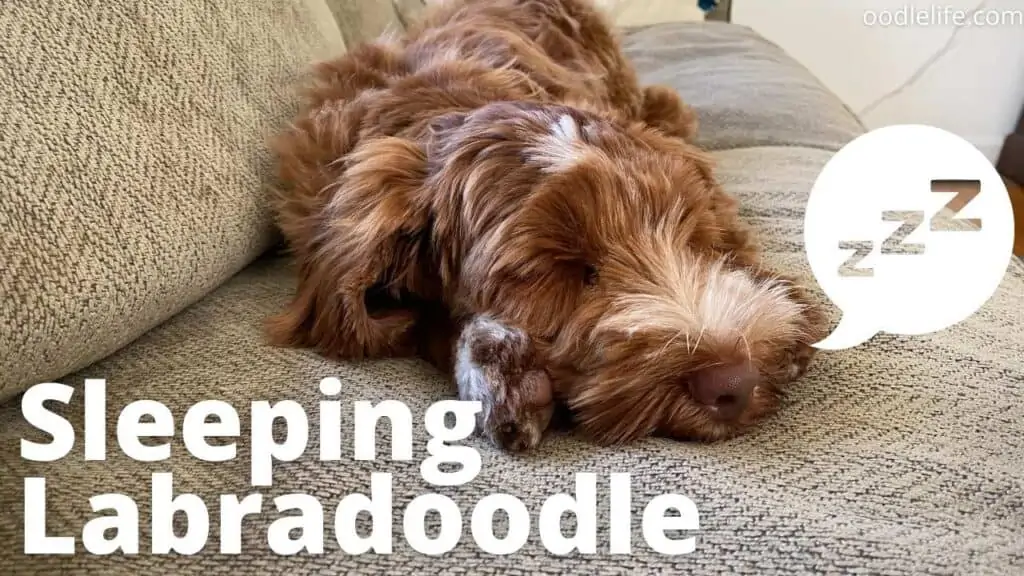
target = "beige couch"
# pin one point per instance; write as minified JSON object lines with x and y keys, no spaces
{"x":134,"y":248}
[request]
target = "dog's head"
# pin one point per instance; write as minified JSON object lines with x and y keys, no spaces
{"x":613,"y":247}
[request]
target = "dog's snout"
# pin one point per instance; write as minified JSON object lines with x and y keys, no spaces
{"x":725,"y":390}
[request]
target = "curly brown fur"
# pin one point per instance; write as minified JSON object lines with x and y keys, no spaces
{"x":495,"y":191}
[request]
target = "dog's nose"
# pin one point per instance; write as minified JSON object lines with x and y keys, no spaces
{"x":726,"y":390}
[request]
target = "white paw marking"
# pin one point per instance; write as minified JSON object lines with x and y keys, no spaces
{"x":561,"y":147}
{"x":794,"y":370}
{"x":472,"y":379}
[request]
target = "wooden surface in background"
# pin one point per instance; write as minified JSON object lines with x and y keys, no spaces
{"x":1017,"y":200}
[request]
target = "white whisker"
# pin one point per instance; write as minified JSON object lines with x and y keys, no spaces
{"x":670,"y":341}
{"x":746,"y":343}
{"x":699,"y":336}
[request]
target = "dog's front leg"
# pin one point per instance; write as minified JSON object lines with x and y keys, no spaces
{"x":496,"y":365}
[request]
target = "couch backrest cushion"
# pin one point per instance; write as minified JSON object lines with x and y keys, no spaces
{"x":623,"y":13}
{"x":632,"y":13}
{"x":361,"y":20}
{"x":133,"y":162}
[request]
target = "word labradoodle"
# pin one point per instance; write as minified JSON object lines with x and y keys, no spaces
{"x":495,"y":192}
{"x":116,"y":526}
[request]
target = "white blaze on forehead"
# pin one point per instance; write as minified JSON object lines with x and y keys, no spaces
{"x":561,"y":147}
{"x":566,"y":129}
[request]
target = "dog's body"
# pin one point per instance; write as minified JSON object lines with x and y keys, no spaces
{"x":495,"y":191}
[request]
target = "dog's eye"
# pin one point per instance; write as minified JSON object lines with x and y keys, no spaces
{"x":590,"y":275}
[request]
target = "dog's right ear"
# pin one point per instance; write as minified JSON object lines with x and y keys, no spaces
{"x":368,"y":252}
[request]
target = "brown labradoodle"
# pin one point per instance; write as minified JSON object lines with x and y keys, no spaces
{"x":494,"y":191}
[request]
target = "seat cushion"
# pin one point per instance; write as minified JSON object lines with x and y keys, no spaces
{"x":133,"y":146}
{"x":899,"y":457}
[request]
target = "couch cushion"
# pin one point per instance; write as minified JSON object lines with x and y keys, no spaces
{"x":746,"y":90}
{"x":361,"y":20}
{"x":881,"y":460}
{"x":629,"y":13}
{"x":625,"y":13}
{"x":132,"y":140}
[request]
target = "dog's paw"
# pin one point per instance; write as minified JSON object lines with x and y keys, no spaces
{"x":518,"y":424}
{"x":496,"y":365}
{"x":798,"y":359}
{"x":814,"y":325}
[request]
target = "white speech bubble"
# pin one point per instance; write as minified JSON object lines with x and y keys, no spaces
{"x":959,"y":266}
